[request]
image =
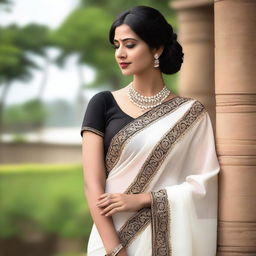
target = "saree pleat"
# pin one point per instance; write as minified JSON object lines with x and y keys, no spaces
{"x":170,"y":152}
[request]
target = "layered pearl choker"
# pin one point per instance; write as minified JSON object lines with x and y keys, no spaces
{"x":145,"y":102}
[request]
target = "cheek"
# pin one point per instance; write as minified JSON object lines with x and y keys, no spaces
{"x":142,"y":58}
{"x":116,"y":56}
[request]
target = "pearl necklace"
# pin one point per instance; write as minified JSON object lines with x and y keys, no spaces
{"x":145,"y":102}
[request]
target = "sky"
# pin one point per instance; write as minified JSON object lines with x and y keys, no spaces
{"x":62,"y":83}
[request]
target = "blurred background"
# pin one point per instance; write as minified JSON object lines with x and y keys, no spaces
{"x":54,"y":56}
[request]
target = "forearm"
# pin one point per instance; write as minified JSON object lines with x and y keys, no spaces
{"x":145,"y":199}
{"x":104,"y":224}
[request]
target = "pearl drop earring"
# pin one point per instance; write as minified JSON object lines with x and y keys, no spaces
{"x":156,"y":61}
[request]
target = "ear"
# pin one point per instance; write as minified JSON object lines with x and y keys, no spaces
{"x":158,"y":51}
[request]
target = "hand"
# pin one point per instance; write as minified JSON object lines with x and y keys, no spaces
{"x":119,"y":202}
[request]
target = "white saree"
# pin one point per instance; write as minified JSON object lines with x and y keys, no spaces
{"x":170,"y":152}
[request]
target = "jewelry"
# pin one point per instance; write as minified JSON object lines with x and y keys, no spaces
{"x":115,"y":251}
{"x":156,"y":61}
{"x":145,"y":102}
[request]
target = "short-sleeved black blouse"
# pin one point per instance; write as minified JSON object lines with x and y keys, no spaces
{"x":104,"y":117}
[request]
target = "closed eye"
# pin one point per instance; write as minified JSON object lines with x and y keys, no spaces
{"x":128,"y":46}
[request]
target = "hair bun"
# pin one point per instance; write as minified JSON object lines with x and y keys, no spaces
{"x":172,"y":39}
{"x":174,"y":36}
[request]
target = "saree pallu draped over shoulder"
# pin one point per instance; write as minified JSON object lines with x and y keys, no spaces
{"x":168,"y":151}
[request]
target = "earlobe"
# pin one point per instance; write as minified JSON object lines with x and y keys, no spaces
{"x":158,"y":51}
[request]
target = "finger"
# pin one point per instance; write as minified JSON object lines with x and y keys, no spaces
{"x":103,"y":195}
{"x":110,"y":207}
{"x":115,"y":210}
{"x":107,"y":200}
{"x":103,"y":200}
{"x":104,"y":203}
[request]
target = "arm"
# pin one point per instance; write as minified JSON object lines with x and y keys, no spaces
{"x":123,"y":202}
{"x":94,"y":184}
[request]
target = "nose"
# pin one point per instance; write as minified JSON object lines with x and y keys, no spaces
{"x":120,"y":52}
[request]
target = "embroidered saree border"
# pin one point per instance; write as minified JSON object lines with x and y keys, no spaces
{"x":119,"y":140}
{"x":159,"y":216}
{"x":160,"y":151}
{"x":160,"y":221}
{"x":138,"y":222}
{"x":134,"y":225}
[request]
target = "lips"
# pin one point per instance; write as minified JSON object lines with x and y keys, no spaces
{"x":124,"y":64}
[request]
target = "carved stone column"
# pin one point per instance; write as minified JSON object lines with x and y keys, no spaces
{"x":235,"y":72}
{"x":196,"y":35}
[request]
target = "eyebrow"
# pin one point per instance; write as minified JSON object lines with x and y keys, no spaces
{"x":125,"y":39}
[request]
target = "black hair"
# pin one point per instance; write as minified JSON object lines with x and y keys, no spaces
{"x":151,"y":26}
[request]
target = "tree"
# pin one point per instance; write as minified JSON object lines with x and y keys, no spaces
{"x":80,"y":34}
{"x":85,"y":32}
{"x":29,"y":115}
{"x":16,"y":46}
{"x":5,"y":5}
{"x":115,"y":7}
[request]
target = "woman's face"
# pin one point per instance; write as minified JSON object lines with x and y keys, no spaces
{"x":132,"y":54}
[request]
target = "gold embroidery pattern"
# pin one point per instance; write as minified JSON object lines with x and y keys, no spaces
{"x":160,"y":151}
{"x":159,"y":217}
{"x":160,"y":223}
{"x":118,"y":141}
{"x":87,"y":128}
{"x":136,"y":224}
{"x":140,"y":220}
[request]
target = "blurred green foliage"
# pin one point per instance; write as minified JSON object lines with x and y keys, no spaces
{"x":85,"y":32}
{"x":50,"y":198}
{"x":5,"y":5}
{"x":28,"y":115}
{"x":19,"y":138}
{"x":116,"y":7}
{"x":15,"y":45}
{"x":18,"y":45}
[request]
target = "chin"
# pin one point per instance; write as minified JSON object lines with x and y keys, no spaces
{"x":126,"y":72}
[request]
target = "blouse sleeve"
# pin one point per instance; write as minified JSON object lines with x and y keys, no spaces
{"x":94,"y":117}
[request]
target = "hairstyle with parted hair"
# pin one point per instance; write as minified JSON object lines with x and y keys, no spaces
{"x":151,"y":26}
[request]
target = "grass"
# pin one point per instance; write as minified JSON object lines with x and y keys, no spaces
{"x":50,"y":197}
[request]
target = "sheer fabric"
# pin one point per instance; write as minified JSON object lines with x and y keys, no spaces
{"x":168,"y":151}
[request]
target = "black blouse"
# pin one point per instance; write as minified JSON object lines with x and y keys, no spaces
{"x":104,"y":117}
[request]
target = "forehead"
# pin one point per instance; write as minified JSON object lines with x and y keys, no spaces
{"x":124,"y":31}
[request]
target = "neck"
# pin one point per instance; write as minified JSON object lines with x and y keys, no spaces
{"x":149,"y":83}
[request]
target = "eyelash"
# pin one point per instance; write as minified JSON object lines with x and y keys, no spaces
{"x":128,"y":46}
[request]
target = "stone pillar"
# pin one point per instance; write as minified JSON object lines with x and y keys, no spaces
{"x":196,"y":35}
{"x":235,"y":66}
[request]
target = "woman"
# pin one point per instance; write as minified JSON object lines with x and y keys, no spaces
{"x":150,"y":165}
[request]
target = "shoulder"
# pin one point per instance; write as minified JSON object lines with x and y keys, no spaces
{"x":195,"y":108}
{"x":195,"y":102}
{"x":201,"y":106}
{"x":98,"y":99}
{"x":99,"y":96}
